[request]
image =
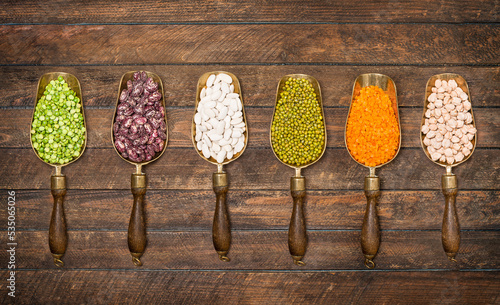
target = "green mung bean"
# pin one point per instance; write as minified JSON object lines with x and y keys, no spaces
{"x":297,"y":130}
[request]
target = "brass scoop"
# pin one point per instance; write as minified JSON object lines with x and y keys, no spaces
{"x":451,"y":227}
{"x":370,"y":232}
{"x":221,"y":228}
{"x":58,"y":238}
{"x":137,"y":228}
{"x":297,"y":234}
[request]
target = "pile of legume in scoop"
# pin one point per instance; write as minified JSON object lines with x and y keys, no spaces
{"x":298,"y":128}
{"x":372,"y":132}
{"x":58,"y":130}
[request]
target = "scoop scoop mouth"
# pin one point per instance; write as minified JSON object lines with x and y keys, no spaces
{"x":317,"y":90}
{"x":202,"y":83}
{"x":462,"y":83}
{"x":74,"y":85}
{"x":123,"y":85}
{"x":385,"y":83}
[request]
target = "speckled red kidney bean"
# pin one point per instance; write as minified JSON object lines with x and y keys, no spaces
{"x":140,"y":120}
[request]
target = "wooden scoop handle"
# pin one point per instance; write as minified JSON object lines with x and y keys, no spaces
{"x":370,"y":232}
{"x":221,"y":228}
{"x":297,"y":234}
{"x":451,"y":227}
{"x":137,"y":227}
{"x":58,"y":237}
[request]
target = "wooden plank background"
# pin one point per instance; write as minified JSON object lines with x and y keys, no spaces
{"x":259,"y":41}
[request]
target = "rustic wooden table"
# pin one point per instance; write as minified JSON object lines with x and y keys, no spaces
{"x":259,"y":41}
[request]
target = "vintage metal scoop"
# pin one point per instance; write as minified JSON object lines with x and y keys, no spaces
{"x":58,"y":238}
{"x":221,"y":228}
{"x":451,"y":227}
{"x":370,"y":232}
{"x":297,"y":234}
{"x":137,"y":228}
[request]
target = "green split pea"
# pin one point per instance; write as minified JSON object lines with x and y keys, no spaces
{"x":58,"y":130}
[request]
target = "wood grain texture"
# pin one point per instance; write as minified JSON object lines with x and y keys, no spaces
{"x":14,"y":132}
{"x":258,"y":41}
{"x":255,"y":210}
{"x":236,"y":43}
{"x":248,"y":11}
{"x":202,"y":287}
{"x":258,"y":250}
{"x":258,"y":82}
{"x":184,"y":169}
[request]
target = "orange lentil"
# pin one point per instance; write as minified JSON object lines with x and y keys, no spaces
{"x":372,"y":133}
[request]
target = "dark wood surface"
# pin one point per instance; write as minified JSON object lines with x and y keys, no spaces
{"x":251,"y":287}
{"x":248,"y":11}
{"x":258,"y":81}
{"x":334,"y":41}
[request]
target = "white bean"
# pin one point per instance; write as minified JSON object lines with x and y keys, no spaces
{"x":227,"y":121}
{"x":223,"y":141}
{"x":210,"y":113}
{"x":239,"y":147}
{"x":227,"y":134}
{"x":232,"y":95}
{"x":207,"y":141}
{"x":215,"y":147}
{"x":222,"y":113}
{"x":225,"y":88}
{"x":236,"y":121}
{"x":198,"y":136}
{"x":236,"y":134}
{"x":221,"y":156}
{"x":234,"y":106}
{"x":215,"y":137}
{"x":206,"y":151}
{"x":197,"y":118}
{"x":219,"y":109}
{"x":225,"y":78}
{"x":215,"y":96}
{"x":210,"y":80}
{"x":213,"y":122}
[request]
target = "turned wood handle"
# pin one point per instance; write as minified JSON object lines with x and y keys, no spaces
{"x":221,"y":228}
{"x":297,"y":234}
{"x":137,"y":227}
{"x":370,"y":231}
{"x":451,"y":227}
{"x":58,"y":237}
